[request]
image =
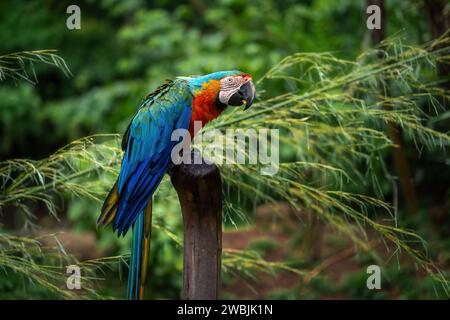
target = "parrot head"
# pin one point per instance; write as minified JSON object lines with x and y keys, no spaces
{"x":227,"y":88}
{"x":237,"y":90}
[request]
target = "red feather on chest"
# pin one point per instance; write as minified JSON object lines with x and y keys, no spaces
{"x":204,"y":107}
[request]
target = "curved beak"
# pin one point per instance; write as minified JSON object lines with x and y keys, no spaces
{"x":248,"y":91}
{"x":244,"y":96}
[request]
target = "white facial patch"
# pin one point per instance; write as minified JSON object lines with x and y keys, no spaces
{"x":229,"y":86}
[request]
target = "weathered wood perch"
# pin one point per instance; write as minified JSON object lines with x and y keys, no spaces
{"x":199,"y":191}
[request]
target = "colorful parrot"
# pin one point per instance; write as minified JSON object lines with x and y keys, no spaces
{"x":147,"y":146}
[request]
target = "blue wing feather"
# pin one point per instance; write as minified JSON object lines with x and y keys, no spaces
{"x":148,"y":151}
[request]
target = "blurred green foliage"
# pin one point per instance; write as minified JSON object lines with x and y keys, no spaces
{"x":126,"y":48}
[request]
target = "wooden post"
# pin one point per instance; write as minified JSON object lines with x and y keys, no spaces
{"x":200,"y":194}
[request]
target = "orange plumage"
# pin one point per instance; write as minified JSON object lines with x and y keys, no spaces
{"x":204,"y":107}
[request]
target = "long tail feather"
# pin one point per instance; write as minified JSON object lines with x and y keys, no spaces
{"x":140,"y":252}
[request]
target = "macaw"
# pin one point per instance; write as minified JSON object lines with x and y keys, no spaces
{"x":147,"y":147}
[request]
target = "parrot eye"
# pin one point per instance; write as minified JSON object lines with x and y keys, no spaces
{"x":229,"y":82}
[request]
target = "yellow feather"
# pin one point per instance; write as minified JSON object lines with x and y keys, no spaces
{"x":109,"y":208}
